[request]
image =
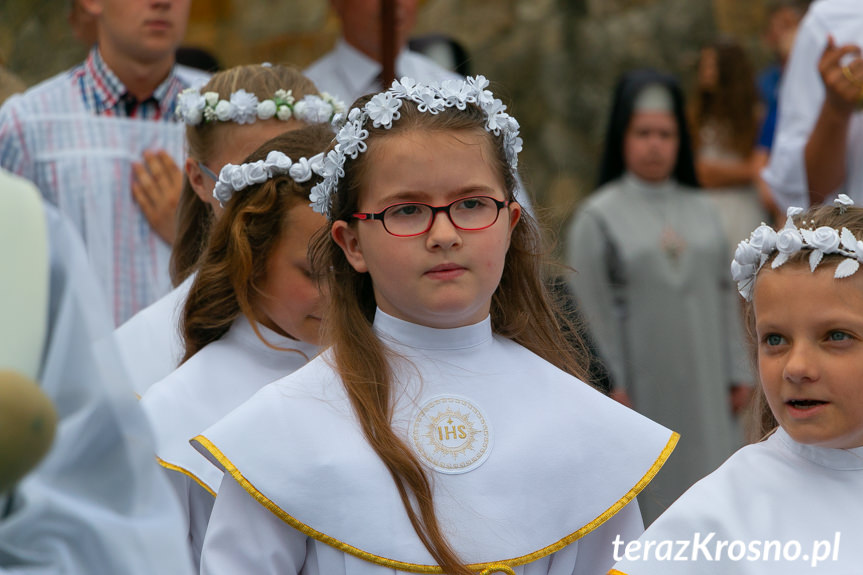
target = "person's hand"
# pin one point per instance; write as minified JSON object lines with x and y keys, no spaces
{"x":754,"y":164}
{"x":841,"y":69}
{"x":739,"y":396}
{"x":156,"y":187}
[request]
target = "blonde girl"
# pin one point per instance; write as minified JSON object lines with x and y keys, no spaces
{"x":789,"y":503}
{"x":252,"y":315}
{"x":443,"y":430}
{"x":226,"y":120}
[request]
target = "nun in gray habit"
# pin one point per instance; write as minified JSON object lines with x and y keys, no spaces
{"x":652,"y":279}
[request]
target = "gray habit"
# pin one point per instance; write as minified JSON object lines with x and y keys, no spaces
{"x":652,"y":279}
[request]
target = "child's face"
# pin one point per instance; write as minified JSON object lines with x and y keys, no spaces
{"x":650,"y":145}
{"x":445,"y":277}
{"x":810,"y":352}
{"x":289,"y":301}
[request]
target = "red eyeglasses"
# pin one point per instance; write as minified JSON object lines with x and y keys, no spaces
{"x":415,"y":218}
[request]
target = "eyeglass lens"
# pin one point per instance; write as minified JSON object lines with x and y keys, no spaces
{"x":472,"y":213}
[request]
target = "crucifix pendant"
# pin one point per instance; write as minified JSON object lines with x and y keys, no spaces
{"x":672,"y":243}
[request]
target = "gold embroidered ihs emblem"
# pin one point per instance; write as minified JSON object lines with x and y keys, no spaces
{"x":451,"y":435}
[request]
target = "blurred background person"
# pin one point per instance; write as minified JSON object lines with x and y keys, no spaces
{"x":783,"y":18}
{"x":651,"y":277}
{"x":818,"y":147}
{"x":80,"y":136}
{"x":97,"y":504}
{"x":725,"y":127}
{"x":354,"y":68}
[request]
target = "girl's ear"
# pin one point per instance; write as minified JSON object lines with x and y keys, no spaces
{"x":514,"y":210}
{"x":514,"y":214}
{"x":196,"y":179}
{"x":346,"y":237}
{"x":201,"y":185}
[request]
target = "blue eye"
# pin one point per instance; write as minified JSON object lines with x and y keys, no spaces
{"x":838,"y":336}
{"x":406,"y":211}
{"x":774,"y":339}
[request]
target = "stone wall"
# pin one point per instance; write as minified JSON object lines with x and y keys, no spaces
{"x":554,"y":61}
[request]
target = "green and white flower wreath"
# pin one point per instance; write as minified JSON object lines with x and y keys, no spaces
{"x":193,"y":107}
{"x":383,"y":109}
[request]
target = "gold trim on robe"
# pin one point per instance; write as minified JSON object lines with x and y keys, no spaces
{"x":504,"y":566}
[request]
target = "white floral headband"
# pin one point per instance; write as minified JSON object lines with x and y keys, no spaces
{"x":751,"y":254}
{"x":193,"y":107}
{"x":233,"y":178}
{"x":383,"y":110}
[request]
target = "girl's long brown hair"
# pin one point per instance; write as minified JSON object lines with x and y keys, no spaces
{"x":732,"y":104}
{"x":521,"y":309}
{"x":194,"y":217}
{"x":762,"y":422}
{"x":235,"y":259}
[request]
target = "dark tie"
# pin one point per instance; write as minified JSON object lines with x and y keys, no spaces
{"x":131,"y":103}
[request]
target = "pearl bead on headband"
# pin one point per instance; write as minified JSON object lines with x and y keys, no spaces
{"x":751,"y":254}
{"x":383,"y":109}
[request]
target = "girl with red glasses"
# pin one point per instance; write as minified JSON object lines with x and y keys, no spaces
{"x":445,"y":429}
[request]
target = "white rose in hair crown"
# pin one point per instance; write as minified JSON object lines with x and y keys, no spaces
{"x":751,"y":254}
{"x":383,"y":109}
{"x":233,"y":178}
{"x":243,"y":107}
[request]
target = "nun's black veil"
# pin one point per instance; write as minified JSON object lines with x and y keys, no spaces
{"x":628,"y":87}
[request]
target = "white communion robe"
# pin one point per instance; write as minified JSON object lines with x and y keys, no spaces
{"x":218,"y":378}
{"x":96,"y":505}
{"x":82,"y":163}
{"x":533,"y":471}
{"x":780,"y":499}
{"x":150,"y":342}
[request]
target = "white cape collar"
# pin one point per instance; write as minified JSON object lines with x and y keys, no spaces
{"x":839,"y":459}
{"x":558,"y":468}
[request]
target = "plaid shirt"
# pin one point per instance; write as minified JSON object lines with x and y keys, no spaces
{"x":105,"y":95}
{"x":76,"y":136}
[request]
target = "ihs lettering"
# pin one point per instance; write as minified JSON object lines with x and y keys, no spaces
{"x":451,"y":432}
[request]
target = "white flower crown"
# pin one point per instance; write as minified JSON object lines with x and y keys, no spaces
{"x":193,"y":107}
{"x":751,"y":254}
{"x":233,"y":178}
{"x":383,"y":110}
